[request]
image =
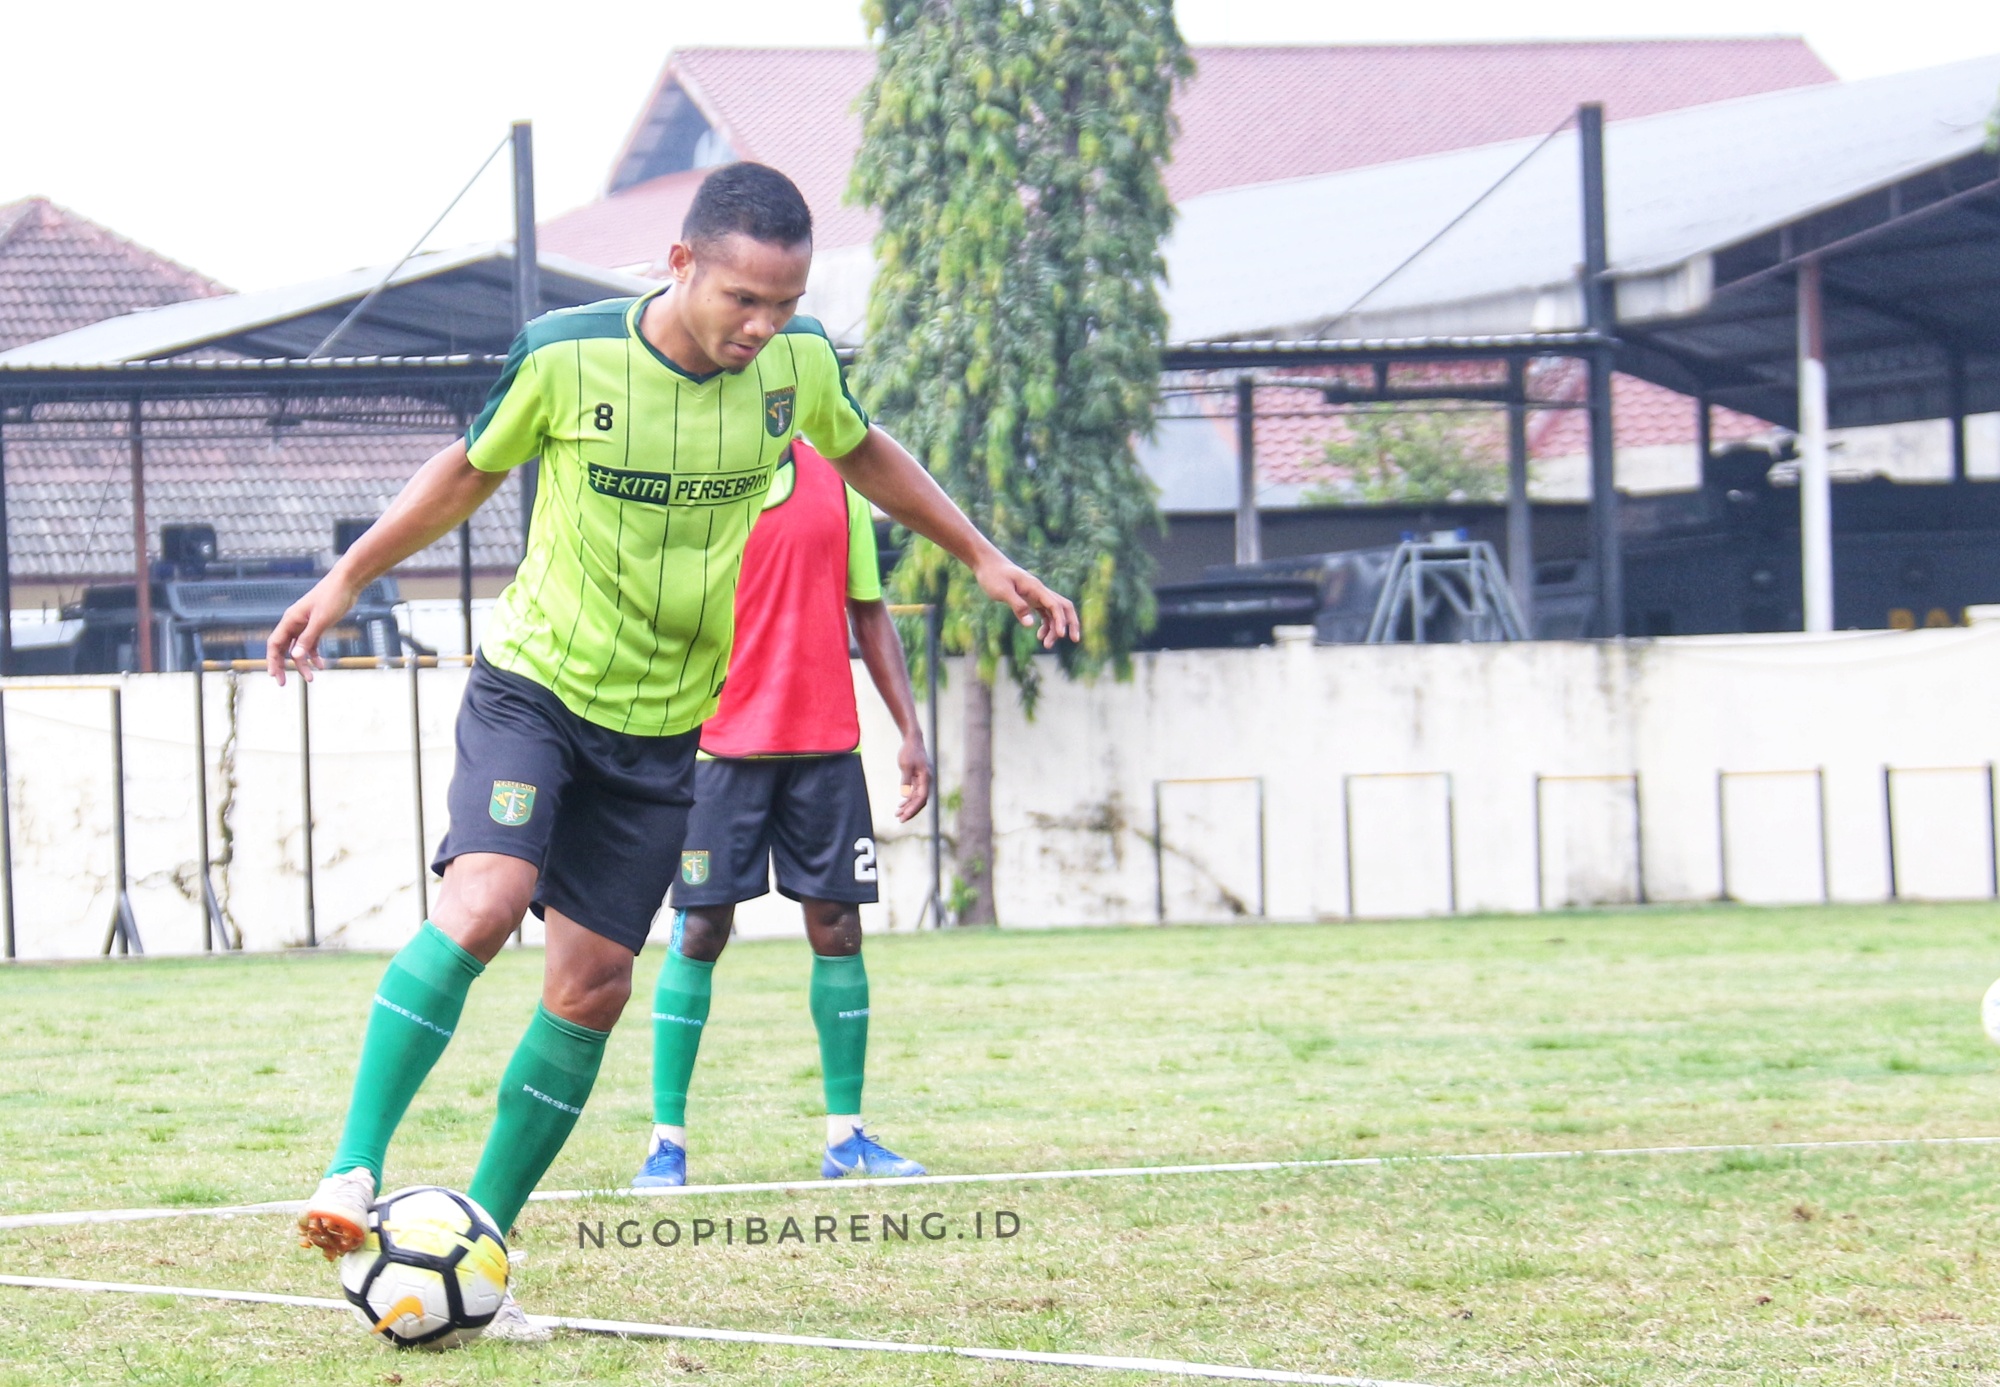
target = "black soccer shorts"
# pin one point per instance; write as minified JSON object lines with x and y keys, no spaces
{"x":809,"y":813}
{"x":601,"y":813}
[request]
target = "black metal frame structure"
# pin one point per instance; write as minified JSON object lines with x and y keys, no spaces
{"x":1638,"y":829}
{"x":1818,"y":774}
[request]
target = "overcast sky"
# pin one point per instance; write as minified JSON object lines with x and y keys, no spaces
{"x":265,"y":143}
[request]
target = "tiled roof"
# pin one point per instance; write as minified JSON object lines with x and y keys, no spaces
{"x":1257,"y":115}
{"x":60,"y":271}
{"x":1249,"y":115}
{"x":69,"y":496}
{"x":630,"y":231}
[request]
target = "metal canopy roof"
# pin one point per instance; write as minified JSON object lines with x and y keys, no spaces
{"x":1911,"y":284}
{"x":445,"y":303}
{"x":1709,"y":208}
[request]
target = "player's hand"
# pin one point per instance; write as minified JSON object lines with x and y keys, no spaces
{"x":915,"y":765}
{"x":1032,"y":601}
{"x":296,"y":636}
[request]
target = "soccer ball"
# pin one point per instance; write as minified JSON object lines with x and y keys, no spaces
{"x":432,"y":1272}
{"x":1989,"y":1013}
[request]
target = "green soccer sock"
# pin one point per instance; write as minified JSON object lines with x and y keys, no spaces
{"x":680,"y":1015}
{"x":839,"y":1002}
{"x":541,"y":1096}
{"x":415,"y":1011}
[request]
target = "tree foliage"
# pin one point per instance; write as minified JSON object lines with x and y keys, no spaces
{"x":1013,"y":148}
{"x":1391,"y":455}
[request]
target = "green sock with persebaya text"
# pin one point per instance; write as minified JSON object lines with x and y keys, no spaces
{"x":541,"y":1096}
{"x":839,"y":1002}
{"x":680,"y":1015}
{"x":415,"y":1011}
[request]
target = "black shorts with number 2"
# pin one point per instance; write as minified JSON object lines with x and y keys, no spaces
{"x":601,"y":813}
{"x":808,"y":813}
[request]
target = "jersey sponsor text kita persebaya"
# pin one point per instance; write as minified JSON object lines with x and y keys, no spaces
{"x":651,"y":480}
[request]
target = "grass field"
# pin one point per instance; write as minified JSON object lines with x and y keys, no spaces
{"x":202,"y":1082}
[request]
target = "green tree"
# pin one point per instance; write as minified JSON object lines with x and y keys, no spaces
{"x":1013,"y":148}
{"x":1391,"y":454}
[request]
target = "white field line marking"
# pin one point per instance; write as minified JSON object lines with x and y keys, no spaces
{"x":294,"y":1206}
{"x":639,"y":1330}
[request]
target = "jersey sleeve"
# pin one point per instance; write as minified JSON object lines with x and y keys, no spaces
{"x":864,"y":565}
{"x":514,"y":421}
{"x":828,"y":414}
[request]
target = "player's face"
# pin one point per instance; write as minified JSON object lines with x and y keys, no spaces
{"x":740,"y":294}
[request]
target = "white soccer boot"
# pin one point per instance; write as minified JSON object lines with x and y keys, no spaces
{"x":337,"y":1216}
{"x":511,"y":1323}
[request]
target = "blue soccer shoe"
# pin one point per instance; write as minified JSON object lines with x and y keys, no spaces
{"x":666,"y":1166}
{"x":861,"y":1154}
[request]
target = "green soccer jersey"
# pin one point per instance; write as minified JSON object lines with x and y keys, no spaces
{"x":651,"y":478}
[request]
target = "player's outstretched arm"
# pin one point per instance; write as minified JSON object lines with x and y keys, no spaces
{"x":882,"y":651}
{"x":442,"y":495}
{"x":883,"y":470}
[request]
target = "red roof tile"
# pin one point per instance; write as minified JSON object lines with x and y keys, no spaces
{"x":628,"y":232}
{"x":60,"y":271}
{"x":1249,"y":115}
{"x":69,"y":496}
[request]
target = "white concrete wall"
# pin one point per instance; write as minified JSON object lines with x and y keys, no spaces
{"x":1264,"y":768}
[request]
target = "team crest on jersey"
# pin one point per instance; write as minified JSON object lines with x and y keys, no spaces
{"x":778,"y":411}
{"x":513,"y":803}
{"x":694,"y":866}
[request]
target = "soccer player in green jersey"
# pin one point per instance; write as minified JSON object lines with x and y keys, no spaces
{"x":659,"y":422}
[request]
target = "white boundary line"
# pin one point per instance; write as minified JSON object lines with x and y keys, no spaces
{"x":293,"y":1206}
{"x":638,"y":1330}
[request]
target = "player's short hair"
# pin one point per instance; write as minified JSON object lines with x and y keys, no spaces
{"x":753,"y":199}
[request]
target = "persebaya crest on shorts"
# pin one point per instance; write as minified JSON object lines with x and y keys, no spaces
{"x":650,"y":481}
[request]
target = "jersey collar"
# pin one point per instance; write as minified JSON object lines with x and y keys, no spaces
{"x":633,"y":317}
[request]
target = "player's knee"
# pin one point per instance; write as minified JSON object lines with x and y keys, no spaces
{"x":704,"y":934}
{"x":596,"y":1000}
{"x":480,"y":906}
{"x":834,"y":928}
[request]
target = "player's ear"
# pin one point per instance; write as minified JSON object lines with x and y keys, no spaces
{"x":680,"y":262}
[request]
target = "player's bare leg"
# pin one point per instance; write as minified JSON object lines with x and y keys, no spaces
{"x":482,"y":900}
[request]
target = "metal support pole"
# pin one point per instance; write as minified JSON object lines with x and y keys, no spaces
{"x":306,"y":804}
{"x":1723,"y":830}
{"x":1540,"y":888}
{"x":124,"y":931}
{"x":1957,"y":388}
{"x":465,"y":582}
{"x":1520,"y":514}
{"x":1263,"y":892}
{"x":1704,"y":434}
{"x":1889,"y":825}
{"x":6,"y":828}
{"x":417,"y":786}
{"x":1992,"y":834}
{"x":1825,"y":847}
{"x":527,"y":279}
{"x":1347,"y":838}
{"x":1638,"y":839}
{"x":1600,"y":317}
{"x":1815,"y":483}
{"x":933,"y":640}
{"x":142,"y":575}
{"x":1249,"y":540}
{"x":1159,"y":859}
{"x":6,"y":570}
{"x":214,"y":925}
{"x":1451,"y":844}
